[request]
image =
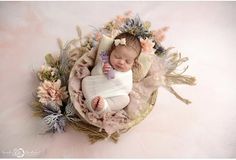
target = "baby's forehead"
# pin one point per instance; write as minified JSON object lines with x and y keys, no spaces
{"x":126,"y":52}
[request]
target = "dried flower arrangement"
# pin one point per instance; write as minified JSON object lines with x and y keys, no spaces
{"x":52,"y":101}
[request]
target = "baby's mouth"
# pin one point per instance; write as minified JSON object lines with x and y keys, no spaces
{"x":119,"y":67}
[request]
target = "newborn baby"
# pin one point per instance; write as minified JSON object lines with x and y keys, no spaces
{"x":108,"y":87}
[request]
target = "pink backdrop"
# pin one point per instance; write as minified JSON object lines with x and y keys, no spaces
{"x":202,"y":31}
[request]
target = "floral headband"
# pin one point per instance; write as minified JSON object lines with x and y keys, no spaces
{"x":121,"y":41}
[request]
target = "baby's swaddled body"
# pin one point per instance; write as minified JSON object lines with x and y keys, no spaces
{"x":115,"y":92}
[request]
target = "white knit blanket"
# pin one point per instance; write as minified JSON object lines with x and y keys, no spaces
{"x":99,"y":85}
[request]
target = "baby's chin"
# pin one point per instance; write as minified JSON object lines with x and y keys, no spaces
{"x":122,"y":70}
{"x":117,"y":68}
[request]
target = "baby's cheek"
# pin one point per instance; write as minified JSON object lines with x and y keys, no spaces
{"x":127,"y":67}
{"x":112,"y":62}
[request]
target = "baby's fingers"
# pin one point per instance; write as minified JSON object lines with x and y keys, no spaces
{"x":106,"y":69}
{"x":106,"y":65}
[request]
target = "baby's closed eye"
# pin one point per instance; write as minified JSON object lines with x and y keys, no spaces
{"x":117,"y":57}
{"x":129,"y":61}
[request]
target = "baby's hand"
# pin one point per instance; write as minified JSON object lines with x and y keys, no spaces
{"x":106,"y":68}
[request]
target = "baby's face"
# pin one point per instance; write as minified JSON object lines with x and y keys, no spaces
{"x":122,"y":58}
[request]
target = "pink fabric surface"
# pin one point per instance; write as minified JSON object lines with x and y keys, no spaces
{"x":202,"y":31}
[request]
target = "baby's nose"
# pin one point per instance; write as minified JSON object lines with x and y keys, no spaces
{"x":121,"y":61}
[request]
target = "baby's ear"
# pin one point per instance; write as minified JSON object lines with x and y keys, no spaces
{"x":136,"y":64}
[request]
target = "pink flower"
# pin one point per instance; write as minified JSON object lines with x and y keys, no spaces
{"x":128,"y":13}
{"x":159,"y":35}
{"x":119,"y":20}
{"x":147,"y":45}
{"x":51,"y":92}
{"x":98,"y":36}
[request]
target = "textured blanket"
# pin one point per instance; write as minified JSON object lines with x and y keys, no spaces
{"x":99,"y":85}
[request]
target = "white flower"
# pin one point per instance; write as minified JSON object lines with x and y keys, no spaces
{"x":114,"y":33}
{"x":46,"y":68}
{"x":51,"y":92}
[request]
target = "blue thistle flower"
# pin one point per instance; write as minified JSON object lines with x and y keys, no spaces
{"x":135,"y":26}
{"x":55,"y":123}
{"x":51,"y":108}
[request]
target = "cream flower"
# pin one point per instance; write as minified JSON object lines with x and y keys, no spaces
{"x":51,"y":92}
{"x":114,"y":33}
{"x":147,"y":45}
{"x":48,"y":73}
{"x":45,"y":68}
